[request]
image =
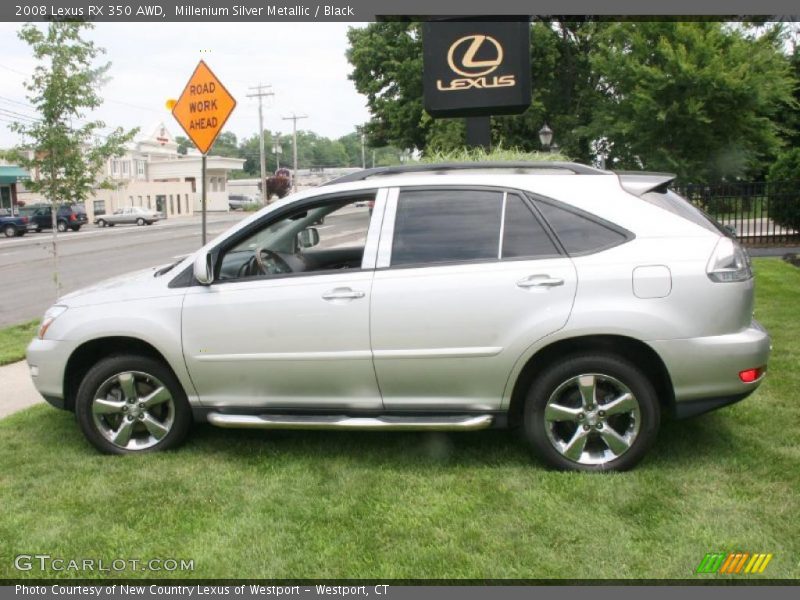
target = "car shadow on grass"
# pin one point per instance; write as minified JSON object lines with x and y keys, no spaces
{"x":708,"y":439}
{"x":370,"y":448}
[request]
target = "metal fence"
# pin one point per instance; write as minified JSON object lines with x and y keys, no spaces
{"x":759,"y":212}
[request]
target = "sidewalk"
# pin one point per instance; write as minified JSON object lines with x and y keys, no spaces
{"x":18,"y":391}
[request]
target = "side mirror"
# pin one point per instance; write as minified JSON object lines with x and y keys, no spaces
{"x":203,"y":269}
{"x":308,"y":238}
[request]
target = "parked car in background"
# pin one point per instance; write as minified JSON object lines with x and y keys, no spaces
{"x":69,"y":216}
{"x":577,"y":304}
{"x":12,"y":225}
{"x":240,"y":201}
{"x":128,"y":215}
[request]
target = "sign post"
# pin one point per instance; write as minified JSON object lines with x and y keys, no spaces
{"x":202,"y":110}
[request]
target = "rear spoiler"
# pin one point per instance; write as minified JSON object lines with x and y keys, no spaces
{"x":639,"y":183}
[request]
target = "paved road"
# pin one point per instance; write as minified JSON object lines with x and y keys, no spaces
{"x":89,"y":256}
{"x":94,"y":254}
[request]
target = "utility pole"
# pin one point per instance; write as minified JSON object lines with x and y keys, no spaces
{"x":363,"y":152}
{"x":294,"y":119}
{"x":261,"y":92}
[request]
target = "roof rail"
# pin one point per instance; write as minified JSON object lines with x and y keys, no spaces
{"x":575,"y":168}
{"x":639,"y":183}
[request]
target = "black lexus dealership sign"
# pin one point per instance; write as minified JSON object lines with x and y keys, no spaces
{"x":474,"y":68}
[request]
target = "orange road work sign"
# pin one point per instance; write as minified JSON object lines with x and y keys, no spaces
{"x":203,"y":107}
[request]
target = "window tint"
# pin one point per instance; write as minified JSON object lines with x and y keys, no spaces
{"x":435,"y":226}
{"x":578,"y":234}
{"x":523,"y":235}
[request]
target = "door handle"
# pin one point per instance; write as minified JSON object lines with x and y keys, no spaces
{"x":344,"y":293}
{"x":539,"y":281}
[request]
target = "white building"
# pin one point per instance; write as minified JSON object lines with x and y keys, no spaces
{"x":153,"y":175}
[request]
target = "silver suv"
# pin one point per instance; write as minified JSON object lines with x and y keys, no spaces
{"x":576,"y":304}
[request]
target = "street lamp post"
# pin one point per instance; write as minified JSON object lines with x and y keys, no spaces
{"x":546,"y":137}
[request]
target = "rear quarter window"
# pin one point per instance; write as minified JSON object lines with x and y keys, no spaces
{"x":578,"y":232}
{"x":678,"y":205}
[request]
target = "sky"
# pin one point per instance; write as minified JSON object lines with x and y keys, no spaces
{"x":150,"y":63}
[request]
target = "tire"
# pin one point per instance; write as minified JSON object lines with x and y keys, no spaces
{"x":101,"y":222}
{"x":111,"y":224}
{"x":62,"y":226}
{"x":104,"y":409}
{"x":38,"y":229}
{"x":140,"y":221}
{"x":9,"y":231}
{"x":568,"y":433}
{"x":76,"y":228}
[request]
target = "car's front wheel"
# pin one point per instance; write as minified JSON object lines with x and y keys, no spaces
{"x":9,"y":231}
{"x":592,"y":412}
{"x":101,"y":222}
{"x":128,"y":404}
{"x":140,"y":222}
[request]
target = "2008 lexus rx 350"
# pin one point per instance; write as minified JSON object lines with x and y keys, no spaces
{"x":578,"y":304}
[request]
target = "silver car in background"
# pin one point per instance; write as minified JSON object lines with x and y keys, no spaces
{"x":577,"y":304}
{"x":130,"y":215}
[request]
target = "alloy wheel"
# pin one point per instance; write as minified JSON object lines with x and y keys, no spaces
{"x":592,"y":418}
{"x":133,"y":410}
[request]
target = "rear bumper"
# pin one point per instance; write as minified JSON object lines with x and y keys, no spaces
{"x":705,"y":371}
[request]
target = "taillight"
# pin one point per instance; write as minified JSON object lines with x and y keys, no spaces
{"x":729,"y":262}
{"x":751,"y":375}
{"x":72,"y":216}
{"x":24,"y":219}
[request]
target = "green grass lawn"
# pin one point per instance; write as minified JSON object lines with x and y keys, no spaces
{"x":422,"y":505}
{"x":14,"y":340}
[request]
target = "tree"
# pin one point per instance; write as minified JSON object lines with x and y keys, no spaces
{"x":67,"y":150}
{"x":700,"y":99}
{"x":708,"y":100}
{"x":184,"y":144}
{"x":226,"y":145}
{"x":387,"y":69}
{"x":784,"y":178}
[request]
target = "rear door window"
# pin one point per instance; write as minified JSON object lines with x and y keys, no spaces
{"x":523,"y":234}
{"x":446,"y":225}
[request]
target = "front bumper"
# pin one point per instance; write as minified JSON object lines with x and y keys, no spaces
{"x":47,"y":360}
{"x":705,"y":370}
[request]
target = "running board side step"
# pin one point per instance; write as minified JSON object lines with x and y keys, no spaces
{"x":396,"y":423}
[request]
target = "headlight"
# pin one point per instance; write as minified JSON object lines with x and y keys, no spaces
{"x":729,"y":262}
{"x":51,"y":315}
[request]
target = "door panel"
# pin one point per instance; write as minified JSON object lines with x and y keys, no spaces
{"x":447,"y":337}
{"x":280,"y":343}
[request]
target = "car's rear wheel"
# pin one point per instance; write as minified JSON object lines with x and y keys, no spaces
{"x":101,"y":222}
{"x":130,"y":404}
{"x":140,"y":221}
{"x":76,"y":228}
{"x":62,"y":226}
{"x":591,"y":412}
{"x":9,"y":231}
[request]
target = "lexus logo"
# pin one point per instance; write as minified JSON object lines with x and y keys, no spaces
{"x":467,"y":47}
{"x":474,"y":73}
